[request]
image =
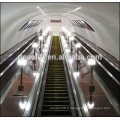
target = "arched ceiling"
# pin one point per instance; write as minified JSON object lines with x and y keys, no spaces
{"x":103,"y":17}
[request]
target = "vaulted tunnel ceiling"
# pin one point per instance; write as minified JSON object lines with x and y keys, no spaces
{"x":102,"y":17}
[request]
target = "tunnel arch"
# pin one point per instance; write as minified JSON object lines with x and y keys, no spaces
{"x":97,"y":15}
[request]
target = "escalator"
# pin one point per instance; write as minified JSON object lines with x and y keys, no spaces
{"x":56,"y":99}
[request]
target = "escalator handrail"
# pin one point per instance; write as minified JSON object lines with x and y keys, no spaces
{"x":13,"y":60}
{"x":113,"y":65}
{"x":115,"y":78}
{"x":20,"y":45}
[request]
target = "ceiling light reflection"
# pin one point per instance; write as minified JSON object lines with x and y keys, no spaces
{"x":77,"y":9}
{"x":27,"y":108}
{"x":22,"y":104}
{"x":90,"y":105}
{"x":85,"y":108}
{"x":35,"y":73}
{"x":37,"y":7}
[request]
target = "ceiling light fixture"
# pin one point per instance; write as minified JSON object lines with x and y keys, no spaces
{"x":76,"y":9}
{"x":37,"y":7}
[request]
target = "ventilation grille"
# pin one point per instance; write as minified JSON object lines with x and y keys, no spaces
{"x":30,"y":24}
{"x":55,"y":21}
{"x":82,"y":24}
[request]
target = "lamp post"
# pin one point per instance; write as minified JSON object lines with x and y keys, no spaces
{"x":91,"y":62}
{"x":77,"y":46}
{"x":71,"y":39}
{"x":34,"y":68}
{"x":34,"y":62}
{"x":40,"y":39}
{"x":35,"y":45}
{"x":21,"y":62}
{"x":90,"y":104}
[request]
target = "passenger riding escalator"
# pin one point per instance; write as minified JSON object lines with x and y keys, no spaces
{"x":56,"y":99}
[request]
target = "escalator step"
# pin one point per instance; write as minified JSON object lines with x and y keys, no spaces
{"x":53,"y":112}
{"x":61,"y":79}
{"x":56,"y":100}
{"x":54,"y":81}
{"x":56,"y":88}
{"x":55,"y":85}
{"x":56,"y":97}
{"x":56,"y":91}
{"x":55,"y":71}
{"x":56,"y":94}
{"x":52,"y":70}
{"x":56,"y":105}
{"x":56,"y":115}
{"x":57,"y":75}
